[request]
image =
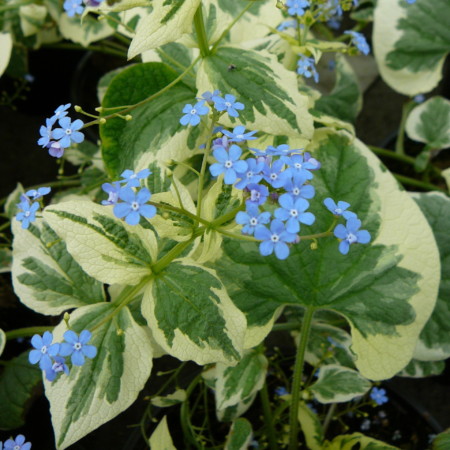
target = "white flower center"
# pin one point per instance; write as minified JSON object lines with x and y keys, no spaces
{"x":296,"y":191}
{"x":293,"y":213}
{"x":228,"y":164}
{"x":17,"y":447}
{"x":27,"y":213}
{"x":249,"y":174}
{"x":44,"y":349}
{"x":351,"y":238}
{"x":228,"y":104}
{"x":77,"y":346}
{"x":68,"y":131}
{"x":274,"y":238}
{"x":253,"y":221}
{"x":240,"y":136}
{"x":193,"y":111}
{"x":273,"y":176}
{"x":298,"y":166}
{"x":338,"y":211}
{"x":135,"y":206}
{"x":254,"y":195}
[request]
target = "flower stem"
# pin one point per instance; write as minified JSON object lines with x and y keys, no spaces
{"x":298,"y":372}
{"x":399,"y":143}
{"x":417,"y":183}
{"x":202,"y":38}
{"x":26,"y":332}
{"x":268,"y":419}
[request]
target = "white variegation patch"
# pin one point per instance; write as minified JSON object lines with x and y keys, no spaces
{"x":6,"y":45}
{"x":2,"y":341}
{"x":84,"y":32}
{"x":161,"y":439}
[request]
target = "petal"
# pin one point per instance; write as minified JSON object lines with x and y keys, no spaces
{"x":20,"y":439}
{"x":45,"y":362}
{"x":343,"y":205}
{"x":286,"y":201}
{"x":77,"y":137}
{"x":85,"y":337}
{"x":330,"y":204}
{"x":216,"y":169}
{"x":53,"y":350}
{"x":47,"y":338}
{"x":144,"y":173}
{"x":235,"y":152}
{"x":148,"y":211}
{"x":65,"y":349}
{"x":185,"y":119}
{"x":307,"y":191}
{"x":344,"y":247}
{"x":240,"y":166}
{"x":64,"y":122}
{"x":89,"y":350}
{"x":292,"y":225}
{"x":230,"y":176}
{"x":58,"y":133}
{"x":133,"y":218}
{"x":71,"y":337}
{"x":77,"y":125}
{"x":281,"y":250}
{"x":121,"y":210}
{"x":340,"y":231}
{"x":127,"y":194}
{"x":363,"y":236}
{"x":143,"y":196}
{"x":262,"y":233}
{"x":353,"y":225}
{"x":36,"y":341}
{"x":50,"y":375}
{"x":77,"y":358}
{"x":194,"y":120}
{"x":266,"y":248}
{"x":232,"y":112}
{"x":187,"y":109}
{"x":221,"y":154}
{"x":307,"y":218}
{"x":282,"y":214}
{"x":34,"y":356}
{"x":242,"y":218}
{"x":264,"y":217}
{"x":277,"y":226}
{"x":238,"y":105}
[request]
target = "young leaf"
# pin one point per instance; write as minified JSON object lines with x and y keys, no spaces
{"x":442,"y":441}
{"x":434,"y":341}
{"x":106,"y":385}
{"x":2,"y":341}
{"x":240,"y":435}
{"x":191,"y":315}
{"x":430,"y":123}
{"x":337,"y":384}
{"x":311,"y":427}
{"x":179,"y":396}
{"x":6,"y":45}
{"x":106,"y":248}
{"x":356,"y":441}
{"x":161,"y":439}
{"x":384,"y":289}
{"x":17,"y":383}
{"x":45,"y":276}
{"x":411,"y":42}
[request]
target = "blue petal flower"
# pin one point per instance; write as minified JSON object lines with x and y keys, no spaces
{"x":134,"y":205}
{"x":68,"y":133}
{"x":379,"y":396}
{"x":131,"y":179}
{"x":77,"y":347}
{"x":239,"y":134}
{"x":37,"y":194}
{"x":28,"y":213}
{"x":252,"y":218}
{"x":228,"y":104}
{"x":17,"y":444}
{"x":275,"y":239}
{"x":228,"y":163}
{"x":307,"y":67}
{"x":359,"y":41}
{"x":58,"y":365}
{"x":192,"y":113}
{"x":258,"y":194}
{"x":296,"y":7}
{"x":43,"y":349}
{"x":73,"y":7}
{"x":350,"y":234}
{"x":113,"y":192}
{"x":339,"y":209}
{"x":293,"y":212}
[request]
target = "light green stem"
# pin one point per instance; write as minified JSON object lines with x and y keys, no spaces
{"x":298,"y":372}
{"x":202,"y":38}
{"x":417,"y":183}
{"x":268,"y":419}
{"x":399,"y":143}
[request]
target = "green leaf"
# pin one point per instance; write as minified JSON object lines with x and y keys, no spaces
{"x":430,"y":123}
{"x":161,"y":439}
{"x":345,"y":100}
{"x":84,"y":32}
{"x":168,"y":21}
{"x":106,"y":248}
{"x":311,"y":426}
{"x":421,"y":369}
{"x":386,"y":290}
{"x":240,"y":435}
{"x":154,"y":133}
{"x":12,"y":201}
{"x":442,"y":441}
{"x":236,"y":387}
{"x":266,"y":88}
{"x":338,"y":384}
{"x":206,"y":328}
{"x":46,"y":277}
{"x":106,"y":385}
{"x":5,"y":260}
{"x":6,"y":45}
{"x":17,"y":383}
{"x":411,"y":43}
{"x":179,"y":396}
{"x":434,"y":342}
{"x":356,"y":441}
{"x":2,"y":341}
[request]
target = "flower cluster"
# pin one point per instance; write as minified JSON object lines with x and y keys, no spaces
{"x":58,"y":139}
{"x":133,"y":202}
{"x":227,"y":104}
{"x":16,"y":444}
{"x":359,"y":41}
{"x":307,"y":68}
{"x":28,"y":207}
{"x":51,"y":356}
{"x":73,"y":7}
{"x":297,"y":7}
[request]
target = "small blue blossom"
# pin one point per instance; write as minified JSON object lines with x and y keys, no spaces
{"x":228,"y":163}
{"x":252,"y":174}
{"x":339,"y":209}
{"x":296,"y":7}
{"x":46,"y":133}
{"x":281,"y":390}
{"x":287,"y":24}
{"x":239,"y":135}
{"x":55,"y":149}
{"x":73,"y":7}
{"x":420,"y":98}
{"x":208,"y":96}
{"x":313,"y":161}
{"x":192,"y":113}
{"x":27,"y":214}
{"x":37,"y":194}
{"x":281,"y":150}
{"x":298,"y":188}
{"x":276,"y":175}
{"x":258,"y":194}
{"x":228,"y":104}
{"x":58,"y":365}
{"x":60,"y":112}
{"x":252,"y":218}
{"x":44,"y":350}
{"x":131,"y":179}
{"x":300,"y":167}
{"x":113,"y":192}
{"x":307,"y":68}
{"x":134,"y":206}
{"x":293,"y":212}
{"x":17,"y":444}
{"x":359,"y":41}
{"x":351,"y":234}
{"x":77,"y":346}
{"x":379,"y":396}
{"x":410,"y":2}
{"x":275,"y":239}
{"x":68,"y":133}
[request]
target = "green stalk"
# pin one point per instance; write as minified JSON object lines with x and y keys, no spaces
{"x":188,"y":432}
{"x":268,"y":419}
{"x":417,"y":183}
{"x":26,"y":332}
{"x":399,"y":143}
{"x":202,"y":38}
{"x":296,"y":383}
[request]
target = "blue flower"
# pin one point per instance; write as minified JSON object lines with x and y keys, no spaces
{"x":275,"y":239}
{"x":252,"y":175}
{"x":410,"y":1}
{"x":297,"y":188}
{"x":68,"y":133}
{"x":293,"y":211}
{"x":339,"y":209}
{"x":37,"y":194}
{"x":359,"y":41}
{"x":378,"y":396}
{"x":296,"y":7}
{"x":55,"y":149}
{"x":239,"y":135}
{"x":208,"y":96}
{"x":17,"y":444}
{"x":275,"y":175}
{"x":420,"y":98}
{"x":77,"y":347}
{"x":258,"y":194}
{"x":44,"y":349}
{"x":252,"y":218}
{"x":134,"y":205}
{"x":132,"y":179}
{"x":228,"y":163}
{"x":28,"y":213}
{"x":58,"y":365}
{"x":281,"y":390}
{"x":300,"y":167}
{"x":287,"y":24}
{"x":307,"y":68}
{"x":46,"y":133}
{"x":192,"y":113}
{"x":113,"y":192}
{"x":60,"y":111}
{"x":228,"y":104}
{"x":282,"y":150}
{"x":313,"y":161}
{"x":73,"y":7}
{"x":350,"y":234}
